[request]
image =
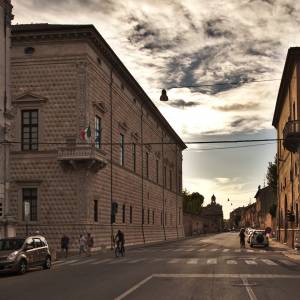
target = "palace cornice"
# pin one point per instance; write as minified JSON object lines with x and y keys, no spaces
{"x":46,"y":32}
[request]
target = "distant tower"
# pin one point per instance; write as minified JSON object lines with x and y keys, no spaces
{"x":6,"y":225}
{"x":213,"y":199}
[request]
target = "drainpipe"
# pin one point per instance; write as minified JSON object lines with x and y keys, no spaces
{"x":164,"y":180}
{"x":176,"y":189}
{"x":142,"y":155}
{"x":111,"y":155}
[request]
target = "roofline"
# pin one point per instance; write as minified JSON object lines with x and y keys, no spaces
{"x":91,"y":33}
{"x":293,"y":55}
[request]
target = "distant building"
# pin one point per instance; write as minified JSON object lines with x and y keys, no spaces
{"x":92,"y":149}
{"x":286,"y":120}
{"x":265,"y":201}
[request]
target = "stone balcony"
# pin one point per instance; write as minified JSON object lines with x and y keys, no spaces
{"x":82,"y":156}
{"x":291,"y":135}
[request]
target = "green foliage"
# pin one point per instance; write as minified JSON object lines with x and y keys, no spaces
{"x":192,"y":202}
{"x":273,"y":209}
{"x":272,"y":175}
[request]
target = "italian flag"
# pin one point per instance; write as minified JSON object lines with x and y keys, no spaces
{"x":85,"y":134}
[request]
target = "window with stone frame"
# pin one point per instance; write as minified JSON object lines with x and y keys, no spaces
{"x":29,"y":130}
{"x":147,"y":165}
{"x":1,"y":209}
{"x":96,"y":211}
{"x":134,"y":157}
{"x":123,"y":213}
{"x":148,"y":217}
{"x":130,"y":214}
{"x":170,"y":178}
{"x":165,"y":176}
{"x":98,"y":131}
{"x":161,"y":218}
{"x":29,"y":204}
{"x":122,"y":149}
{"x":143,"y":216}
{"x":153,"y":217}
{"x":157,"y":170}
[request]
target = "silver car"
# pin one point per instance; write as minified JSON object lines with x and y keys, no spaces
{"x":19,"y":254}
{"x":259,"y":238}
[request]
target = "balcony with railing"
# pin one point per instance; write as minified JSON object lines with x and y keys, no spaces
{"x":291,"y":135}
{"x":82,"y":156}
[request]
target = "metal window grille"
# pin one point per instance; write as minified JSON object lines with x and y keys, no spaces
{"x":29,"y":136}
{"x":98,"y":130}
{"x":30,"y":196}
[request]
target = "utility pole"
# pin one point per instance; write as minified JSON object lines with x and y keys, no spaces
{"x":6,"y":224}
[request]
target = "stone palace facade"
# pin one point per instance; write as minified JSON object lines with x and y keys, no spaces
{"x":66,"y":79}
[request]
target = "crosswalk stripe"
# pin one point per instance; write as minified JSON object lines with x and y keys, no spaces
{"x":250,"y":262}
{"x":179,"y":249}
{"x":214,"y":250}
{"x":237,"y":250}
{"x":57,"y":262}
{"x":211,"y":261}
{"x":189,"y":250}
{"x":192,"y":261}
{"x":231,"y":262}
{"x":83,"y":262}
{"x":262,"y":251}
{"x":101,"y":261}
{"x":225,"y":250}
{"x":269,"y":262}
{"x":68,"y":262}
{"x":287,"y":262}
{"x":166,"y":250}
{"x":250,"y":250}
{"x":201,"y":250}
{"x":174,"y":261}
{"x":135,"y":261}
{"x":117,"y":261}
{"x":157,"y":259}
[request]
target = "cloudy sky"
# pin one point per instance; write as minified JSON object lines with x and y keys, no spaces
{"x":233,"y":50}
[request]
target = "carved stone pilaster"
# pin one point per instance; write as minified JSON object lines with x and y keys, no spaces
{"x":82,"y":95}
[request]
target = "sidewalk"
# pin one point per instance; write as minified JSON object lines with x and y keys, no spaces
{"x":287,"y":251}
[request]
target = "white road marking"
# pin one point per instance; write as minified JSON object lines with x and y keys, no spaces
{"x":68,"y":262}
{"x":189,"y":250}
{"x":166,"y":250}
{"x":83,"y":262}
{"x":192,"y":261}
{"x":249,"y":250}
{"x":214,"y":250}
{"x":135,"y":261}
{"x":201,"y":250}
{"x":135,"y":287}
{"x":250,"y":262}
{"x":237,"y":250}
{"x":269,"y":262}
{"x":179,"y":249}
{"x":211,"y":261}
{"x":248,"y":289}
{"x":157,"y":259}
{"x":262,"y":251}
{"x":174,"y":261}
{"x":231,"y":262}
{"x":287,"y":262}
{"x":57,"y":262}
{"x":225,"y":250}
{"x":117,"y":261}
{"x":102,"y":261}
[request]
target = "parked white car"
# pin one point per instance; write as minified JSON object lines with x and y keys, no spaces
{"x":259,"y":238}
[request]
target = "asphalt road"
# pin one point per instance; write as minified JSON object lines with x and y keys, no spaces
{"x":208,"y":267}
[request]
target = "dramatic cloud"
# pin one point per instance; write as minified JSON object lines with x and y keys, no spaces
{"x":211,"y":56}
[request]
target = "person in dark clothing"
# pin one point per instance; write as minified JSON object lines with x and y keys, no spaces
{"x":242,"y":238}
{"x":65,"y":244}
{"x":120,"y":240}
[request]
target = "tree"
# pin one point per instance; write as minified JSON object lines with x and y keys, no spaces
{"x":272,"y":175}
{"x":192,"y":202}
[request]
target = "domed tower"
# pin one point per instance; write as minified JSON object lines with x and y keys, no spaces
{"x":6,"y":228}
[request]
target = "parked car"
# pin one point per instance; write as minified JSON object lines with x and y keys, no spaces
{"x":19,"y":254}
{"x":258,"y":238}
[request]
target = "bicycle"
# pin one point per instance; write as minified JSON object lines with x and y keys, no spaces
{"x":119,"y":251}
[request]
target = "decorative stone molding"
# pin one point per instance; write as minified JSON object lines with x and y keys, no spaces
{"x":29,"y":98}
{"x":148,"y":147}
{"x":135,"y":136}
{"x":157,"y":154}
{"x":123,"y":126}
{"x":100,"y":106}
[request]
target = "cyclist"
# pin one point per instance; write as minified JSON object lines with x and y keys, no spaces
{"x":120,"y":241}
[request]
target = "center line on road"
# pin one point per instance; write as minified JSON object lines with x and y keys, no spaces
{"x":248,"y":289}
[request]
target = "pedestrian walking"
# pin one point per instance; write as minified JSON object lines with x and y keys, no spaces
{"x":242,"y":238}
{"x":82,"y":244}
{"x":65,"y":244}
{"x":89,"y":243}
